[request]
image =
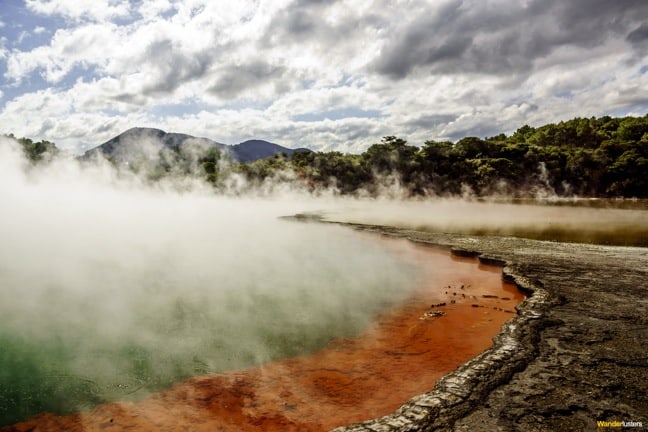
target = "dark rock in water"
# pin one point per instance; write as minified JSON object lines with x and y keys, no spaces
{"x":573,"y":355}
{"x":433,"y":314}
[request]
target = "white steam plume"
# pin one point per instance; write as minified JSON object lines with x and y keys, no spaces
{"x":109,"y":287}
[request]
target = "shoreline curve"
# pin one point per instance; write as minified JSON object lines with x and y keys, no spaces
{"x":572,"y":357}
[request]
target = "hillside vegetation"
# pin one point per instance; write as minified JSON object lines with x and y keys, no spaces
{"x":590,"y":157}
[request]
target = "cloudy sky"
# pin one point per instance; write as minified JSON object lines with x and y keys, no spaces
{"x":329,"y":75}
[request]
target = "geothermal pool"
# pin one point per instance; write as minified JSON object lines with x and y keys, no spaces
{"x":118,"y":321}
{"x":140,"y":304}
{"x":111,"y":289}
{"x":316,"y":380}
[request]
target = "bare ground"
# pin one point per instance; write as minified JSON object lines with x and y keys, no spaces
{"x":575,"y":354}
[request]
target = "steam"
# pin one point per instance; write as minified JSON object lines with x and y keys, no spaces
{"x":111,"y":288}
{"x":569,"y":220}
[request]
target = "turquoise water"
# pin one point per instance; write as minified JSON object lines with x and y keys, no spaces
{"x":111,"y":289}
{"x":89,"y":327}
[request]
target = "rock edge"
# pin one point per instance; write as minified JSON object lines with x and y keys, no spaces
{"x":553,"y":365}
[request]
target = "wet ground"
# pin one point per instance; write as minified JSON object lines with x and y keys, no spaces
{"x":574,"y":356}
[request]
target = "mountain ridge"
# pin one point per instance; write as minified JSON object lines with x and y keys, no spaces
{"x":254,"y":149}
{"x":151,"y":140}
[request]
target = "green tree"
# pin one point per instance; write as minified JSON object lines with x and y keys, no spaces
{"x":38,"y":151}
{"x":209,"y":165}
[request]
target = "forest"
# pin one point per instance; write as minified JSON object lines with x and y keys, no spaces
{"x":585,"y":157}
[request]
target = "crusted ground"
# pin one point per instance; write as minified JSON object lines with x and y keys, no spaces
{"x":575,"y":353}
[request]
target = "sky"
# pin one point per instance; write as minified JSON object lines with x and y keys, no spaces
{"x":327,"y":75}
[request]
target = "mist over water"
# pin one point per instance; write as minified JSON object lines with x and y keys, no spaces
{"x":110,"y":290}
{"x":613,"y":222}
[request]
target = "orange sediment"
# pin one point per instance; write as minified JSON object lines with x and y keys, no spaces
{"x":401,"y":355}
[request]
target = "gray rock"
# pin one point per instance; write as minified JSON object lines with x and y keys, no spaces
{"x":574,"y":353}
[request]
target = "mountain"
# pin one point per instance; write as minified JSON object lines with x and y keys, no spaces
{"x":251,"y":150}
{"x":139,"y":144}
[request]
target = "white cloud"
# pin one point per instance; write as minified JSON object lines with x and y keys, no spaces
{"x":3,"y":48}
{"x":67,"y":49}
{"x":21,"y":36}
{"x":82,"y":9}
{"x":233,"y":126}
{"x":52,"y":115}
{"x":152,"y":9}
{"x":253,"y":69}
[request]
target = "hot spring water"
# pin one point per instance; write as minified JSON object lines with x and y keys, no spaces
{"x":110,"y":289}
{"x":116,"y":319}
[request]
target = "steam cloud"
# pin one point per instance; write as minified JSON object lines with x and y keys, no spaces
{"x":110,"y":288}
{"x":572,"y":220}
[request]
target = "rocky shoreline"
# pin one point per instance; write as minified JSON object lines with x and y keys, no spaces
{"x":427,"y":333}
{"x":573,"y":356}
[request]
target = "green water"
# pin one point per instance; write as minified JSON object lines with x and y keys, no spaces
{"x":122,"y":328}
{"x":78,"y":370}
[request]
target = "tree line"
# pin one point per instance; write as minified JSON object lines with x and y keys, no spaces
{"x":589,"y":157}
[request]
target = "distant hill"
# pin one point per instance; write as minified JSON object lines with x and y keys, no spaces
{"x":146,"y":143}
{"x":252,"y":150}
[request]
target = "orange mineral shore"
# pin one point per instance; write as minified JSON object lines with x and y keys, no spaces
{"x":453,"y":312}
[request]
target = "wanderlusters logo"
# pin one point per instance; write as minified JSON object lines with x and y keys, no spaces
{"x":618,"y":424}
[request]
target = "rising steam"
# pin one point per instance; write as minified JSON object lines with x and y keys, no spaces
{"x":111,"y":289}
